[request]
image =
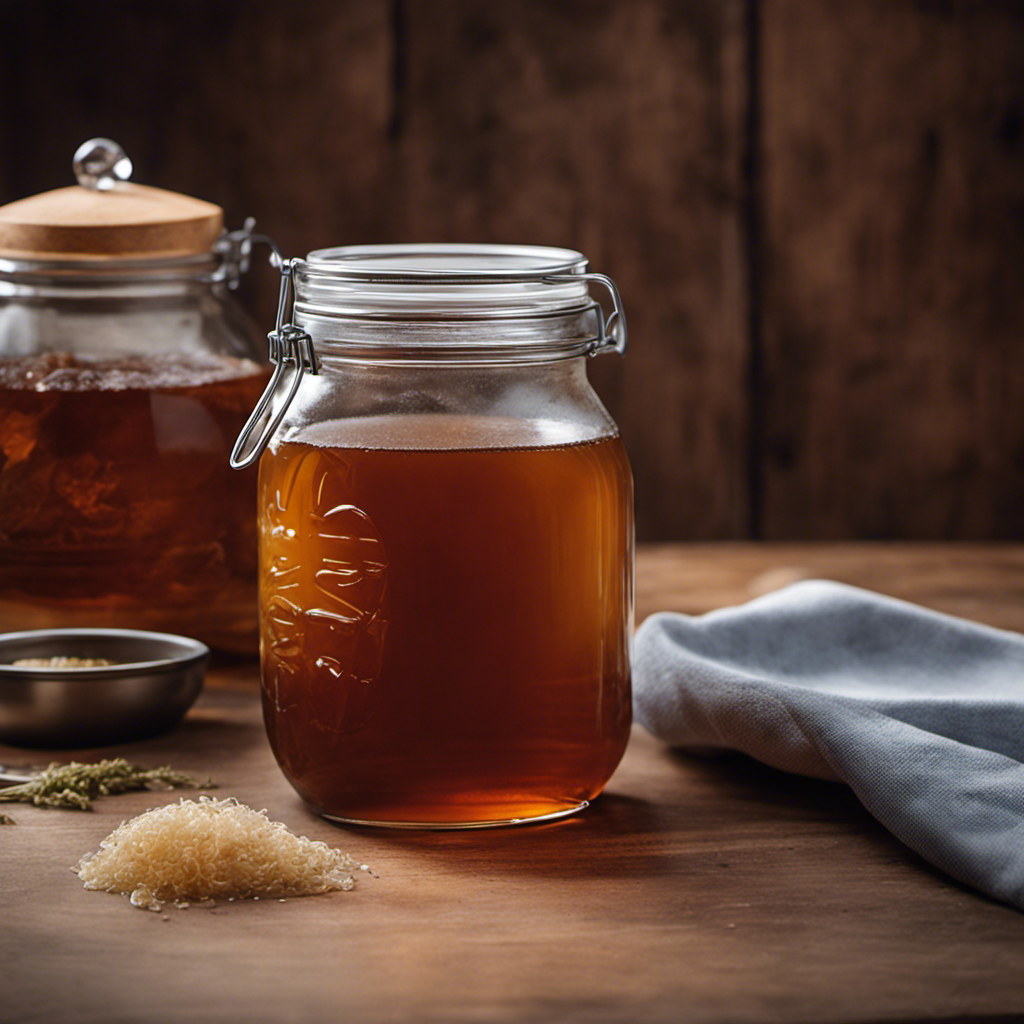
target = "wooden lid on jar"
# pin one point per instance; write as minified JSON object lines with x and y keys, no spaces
{"x":105,"y":217}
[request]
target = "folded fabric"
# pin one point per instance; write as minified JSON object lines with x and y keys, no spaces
{"x":921,"y":714}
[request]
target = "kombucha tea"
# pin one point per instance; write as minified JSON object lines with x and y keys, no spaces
{"x":446,"y":614}
{"x":117,"y":504}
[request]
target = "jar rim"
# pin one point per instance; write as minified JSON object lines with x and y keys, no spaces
{"x":115,"y":271}
{"x":444,"y":263}
{"x":462,"y":281}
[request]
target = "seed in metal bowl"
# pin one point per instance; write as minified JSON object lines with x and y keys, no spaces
{"x":62,"y":662}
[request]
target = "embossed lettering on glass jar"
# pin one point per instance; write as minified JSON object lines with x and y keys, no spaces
{"x":446,"y":537}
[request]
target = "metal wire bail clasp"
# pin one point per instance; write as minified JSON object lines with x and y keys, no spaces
{"x":611,"y":331}
{"x":290,"y":346}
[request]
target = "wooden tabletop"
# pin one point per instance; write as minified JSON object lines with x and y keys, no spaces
{"x":691,"y":891}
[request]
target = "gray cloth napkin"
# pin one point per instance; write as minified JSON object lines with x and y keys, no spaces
{"x":921,"y":714}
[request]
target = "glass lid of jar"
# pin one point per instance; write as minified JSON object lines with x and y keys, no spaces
{"x":447,"y":261}
{"x":462,"y":280}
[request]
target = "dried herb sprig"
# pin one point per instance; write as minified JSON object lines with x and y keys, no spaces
{"x":6,"y":819}
{"x":74,"y":786}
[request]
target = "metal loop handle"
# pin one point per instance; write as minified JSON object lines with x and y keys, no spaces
{"x":289,"y":346}
{"x":612,"y":332}
{"x":235,"y":250}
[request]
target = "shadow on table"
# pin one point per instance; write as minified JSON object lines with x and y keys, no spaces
{"x":685,"y":820}
{"x":206,"y":732}
{"x":715,"y":814}
{"x":732,"y":776}
{"x":613,"y":836}
{"x":817,"y":803}
{"x":728,"y":823}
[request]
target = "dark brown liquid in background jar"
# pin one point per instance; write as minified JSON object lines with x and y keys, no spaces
{"x":117,"y":505}
{"x":446,"y":631}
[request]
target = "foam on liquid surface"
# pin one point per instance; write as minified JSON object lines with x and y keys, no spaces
{"x":443,"y":432}
{"x":62,"y":371}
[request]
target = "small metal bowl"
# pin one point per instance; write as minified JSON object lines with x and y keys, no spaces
{"x":154,"y":680}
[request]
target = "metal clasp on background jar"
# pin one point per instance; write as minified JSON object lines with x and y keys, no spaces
{"x":446,"y":536}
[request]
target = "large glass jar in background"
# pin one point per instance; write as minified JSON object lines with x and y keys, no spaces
{"x":446,"y":529}
{"x":126,"y":370}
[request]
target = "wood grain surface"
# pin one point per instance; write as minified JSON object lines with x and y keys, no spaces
{"x":981,"y":582}
{"x":692,"y":890}
{"x":893,"y":184}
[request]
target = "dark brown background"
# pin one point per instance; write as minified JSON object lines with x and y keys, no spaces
{"x":814,"y":208}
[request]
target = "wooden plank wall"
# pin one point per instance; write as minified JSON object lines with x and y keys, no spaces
{"x":813,"y":208}
{"x":892,"y":269}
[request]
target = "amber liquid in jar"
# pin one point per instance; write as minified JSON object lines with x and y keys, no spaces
{"x":117,"y":506}
{"x":446,"y":608}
